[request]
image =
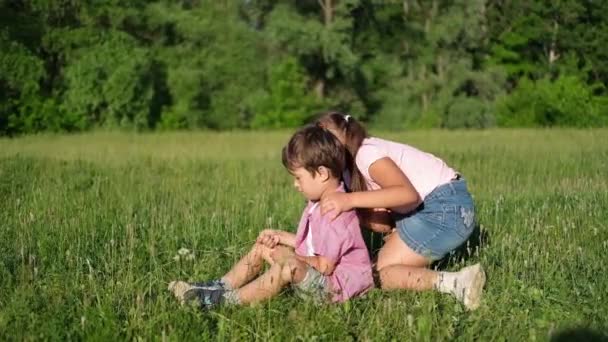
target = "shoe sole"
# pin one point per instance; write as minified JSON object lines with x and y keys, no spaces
{"x":179,"y":288}
{"x":472,"y":299}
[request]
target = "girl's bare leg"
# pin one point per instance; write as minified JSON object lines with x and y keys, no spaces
{"x":402,"y":268}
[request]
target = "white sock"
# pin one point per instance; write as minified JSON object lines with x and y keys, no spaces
{"x":451,"y":282}
{"x":226,"y":284}
{"x":232,"y":297}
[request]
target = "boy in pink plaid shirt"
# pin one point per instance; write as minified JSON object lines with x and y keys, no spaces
{"x":325,"y":261}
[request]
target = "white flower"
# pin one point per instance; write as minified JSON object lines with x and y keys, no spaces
{"x":183,"y":251}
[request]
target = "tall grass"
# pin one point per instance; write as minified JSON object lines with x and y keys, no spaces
{"x":91,"y":225}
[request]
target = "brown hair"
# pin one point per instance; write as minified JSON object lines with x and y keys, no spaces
{"x":353,"y":133}
{"x":312,"y":147}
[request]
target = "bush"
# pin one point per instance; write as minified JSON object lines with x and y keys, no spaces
{"x":565,"y":101}
{"x":468,"y":112}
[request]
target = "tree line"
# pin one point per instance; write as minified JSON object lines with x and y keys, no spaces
{"x":70,"y":65}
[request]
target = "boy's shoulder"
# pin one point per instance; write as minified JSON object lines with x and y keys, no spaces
{"x":345,"y":219}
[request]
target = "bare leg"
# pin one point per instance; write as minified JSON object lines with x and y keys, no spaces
{"x":273,"y":281}
{"x":402,"y":268}
{"x":248,"y":267}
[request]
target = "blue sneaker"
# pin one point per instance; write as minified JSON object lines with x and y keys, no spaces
{"x":215,"y":284}
{"x":205,"y":297}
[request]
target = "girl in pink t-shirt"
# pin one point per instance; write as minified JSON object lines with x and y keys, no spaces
{"x":432,"y":210}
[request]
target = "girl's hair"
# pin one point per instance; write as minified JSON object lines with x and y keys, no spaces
{"x":312,"y":147}
{"x":353,"y":133}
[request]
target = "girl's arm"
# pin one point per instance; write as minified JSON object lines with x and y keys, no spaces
{"x":397,"y":192}
{"x":319,"y":263}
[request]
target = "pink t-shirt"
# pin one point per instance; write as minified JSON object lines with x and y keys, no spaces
{"x":341,"y":242}
{"x":424,"y":170}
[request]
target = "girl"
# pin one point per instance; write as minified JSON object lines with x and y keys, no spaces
{"x":429,"y":202}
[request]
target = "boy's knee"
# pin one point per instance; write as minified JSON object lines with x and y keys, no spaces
{"x":293,"y":270}
{"x":259,"y":249}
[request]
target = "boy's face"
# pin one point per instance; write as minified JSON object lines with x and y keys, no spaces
{"x":311,"y":187}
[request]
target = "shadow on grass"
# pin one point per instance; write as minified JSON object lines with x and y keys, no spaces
{"x":478,"y":240}
{"x":579,"y":334}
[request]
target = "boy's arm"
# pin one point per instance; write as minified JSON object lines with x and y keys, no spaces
{"x":333,"y":240}
{"x":271,"y":237}
{"x":319,"y":263}
{"x":286,"y":238}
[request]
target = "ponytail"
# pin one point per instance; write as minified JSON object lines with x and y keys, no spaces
{"x":354,"y":134}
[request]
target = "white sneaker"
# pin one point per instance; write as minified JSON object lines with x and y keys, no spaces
{"x":475,"y":278}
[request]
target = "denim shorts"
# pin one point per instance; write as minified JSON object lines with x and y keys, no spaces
{"x":444,"y":221}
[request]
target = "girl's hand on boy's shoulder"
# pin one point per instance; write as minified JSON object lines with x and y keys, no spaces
{"x":269,"y":238}
{"x":336,"y":202}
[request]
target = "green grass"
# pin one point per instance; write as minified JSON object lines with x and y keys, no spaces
{"x":90,"y":225}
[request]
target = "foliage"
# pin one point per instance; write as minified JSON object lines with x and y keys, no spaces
{"x":108,"y":84}
{"x":70,"y":65}
{"x":286,"y":103}
{"x":566,"y":101}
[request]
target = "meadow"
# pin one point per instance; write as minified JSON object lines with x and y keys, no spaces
{"x":91,"y":226}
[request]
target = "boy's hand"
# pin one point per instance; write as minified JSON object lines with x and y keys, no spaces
{"x":269,"y":238}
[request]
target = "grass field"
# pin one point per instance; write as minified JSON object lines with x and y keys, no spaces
{"x":90,"y":226}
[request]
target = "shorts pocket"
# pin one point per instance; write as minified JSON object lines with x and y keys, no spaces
{"x":459,"y":218}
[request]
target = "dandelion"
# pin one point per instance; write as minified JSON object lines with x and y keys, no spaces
{"x":184,"y":254}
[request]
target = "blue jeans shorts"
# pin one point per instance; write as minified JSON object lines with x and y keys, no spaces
{"x":444,"y":221}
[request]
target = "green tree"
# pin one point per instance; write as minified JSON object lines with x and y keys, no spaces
{"x":107,"y":82}
{"x":287,"y":102}
{"x":438,"y":69}
{"x":214,"y":62}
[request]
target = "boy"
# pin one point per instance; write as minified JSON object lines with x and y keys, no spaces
{"x":326,"y":261}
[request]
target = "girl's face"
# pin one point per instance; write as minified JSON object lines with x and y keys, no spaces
{"x":311,"y":187}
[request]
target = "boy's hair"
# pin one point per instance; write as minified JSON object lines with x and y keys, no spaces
{"x":312,"y":147}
